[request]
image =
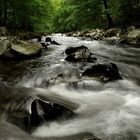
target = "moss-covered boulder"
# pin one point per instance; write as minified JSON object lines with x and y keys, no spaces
{"x":19,"y":49}
{"x":133,"y":36}
{"x":23,"y":48}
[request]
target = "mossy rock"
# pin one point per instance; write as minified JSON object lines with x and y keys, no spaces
{"x":25,"y":48}
{"x":19,"y":49}
{"x":133,"y":37}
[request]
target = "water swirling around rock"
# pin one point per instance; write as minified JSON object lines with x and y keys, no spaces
{"x":109,"y":110}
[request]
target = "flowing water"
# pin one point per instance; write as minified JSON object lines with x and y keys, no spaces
{"x":110,"y":111}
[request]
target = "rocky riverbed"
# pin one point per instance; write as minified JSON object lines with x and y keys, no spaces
{"x":130,"y":35}
{"x":75,"y":89}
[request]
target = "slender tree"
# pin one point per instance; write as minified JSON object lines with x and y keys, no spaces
{"x":109,"y":18}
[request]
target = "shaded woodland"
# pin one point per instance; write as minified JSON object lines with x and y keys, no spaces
{"x":68,"y":15}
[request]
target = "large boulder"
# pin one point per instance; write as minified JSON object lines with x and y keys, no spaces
{"x":19,"y":49}
{"x":103,"y":72}
{"x":27,"y":108}
{"x":3,"y":31}
{"x":133,"y":36}
{"x":78,"y":54}
{"x":26,"y":49}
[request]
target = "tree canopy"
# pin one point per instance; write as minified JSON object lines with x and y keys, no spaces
{"x":68,"y":15}
{"x":25,"y":15}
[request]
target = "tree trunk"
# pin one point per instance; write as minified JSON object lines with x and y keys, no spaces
{"x":4,"y":14}
{"x":0,"y":16}
{"x":109,"y":18}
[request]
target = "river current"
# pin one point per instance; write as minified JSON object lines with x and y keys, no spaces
{"x":110,"y":111}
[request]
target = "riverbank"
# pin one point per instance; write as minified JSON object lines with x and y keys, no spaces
{"x":130,"y":35}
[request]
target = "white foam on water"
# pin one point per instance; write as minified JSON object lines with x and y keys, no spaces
{"x":106,"y":112}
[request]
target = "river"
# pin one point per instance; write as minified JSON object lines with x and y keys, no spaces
{"x":110,"y":111}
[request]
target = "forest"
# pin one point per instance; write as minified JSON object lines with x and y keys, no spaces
{"x":70,"y":69}
{"x":68,"y":15}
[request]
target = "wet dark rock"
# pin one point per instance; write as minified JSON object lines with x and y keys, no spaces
{"x":70,"y":50}
{"x":104,"y":72}
{"x":45,"y":111}
{"x":48,"y":39}
{"x":26,"y":110}
{"x":79,"y":54}
{"x":39,"y":39}
{"x":45,"y":41}
{"x":44,"y":44}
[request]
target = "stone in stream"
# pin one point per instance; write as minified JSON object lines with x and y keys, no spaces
{"x":28,"y":108}
{"x":79,"y":54}
{"x":19,"y":49}
{"x":48,"y":39}
{"x":103,"y":72}
{"x":39,"y":39}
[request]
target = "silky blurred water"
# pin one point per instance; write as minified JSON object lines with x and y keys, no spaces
{"x":111,"y":111}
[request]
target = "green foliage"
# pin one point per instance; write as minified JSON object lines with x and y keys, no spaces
{"x":25,"y":15}
{"x":130,"y":12}
{"x":77,"y":15}
{"x":72,"y":15}
{"x":68,"y":15}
